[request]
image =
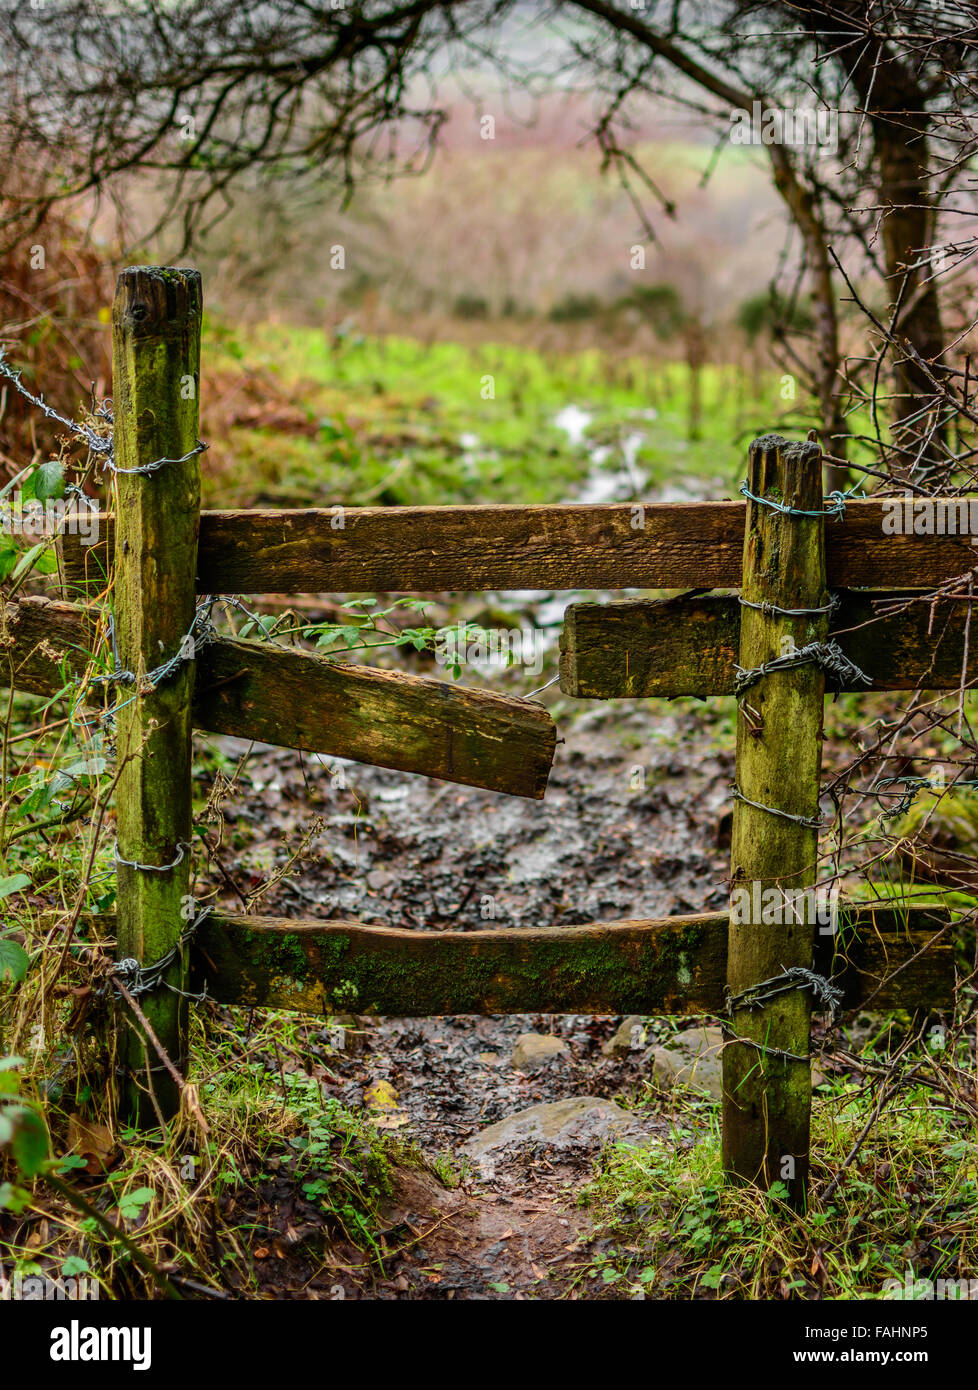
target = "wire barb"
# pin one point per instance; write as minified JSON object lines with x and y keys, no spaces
{"x":795,"y":977}
{"x":829,"y":655}
{"x":812,"y":822}
{"x":836,"y":503}
{"x":771,"y":610}
{"x":146,"y":979}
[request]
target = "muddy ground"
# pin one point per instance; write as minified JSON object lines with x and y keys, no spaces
{"x":632,"y":826}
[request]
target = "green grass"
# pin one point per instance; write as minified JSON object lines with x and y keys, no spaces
{"x":669,"y":1227}
{"x":385,"y":420}
{"x":203,"y":1199}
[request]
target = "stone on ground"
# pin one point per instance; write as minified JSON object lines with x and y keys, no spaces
{"x":531,"y":1051}
{"x":577,"y":1120}
{"x":691,"y":1058}
{"x":628,"y":1038}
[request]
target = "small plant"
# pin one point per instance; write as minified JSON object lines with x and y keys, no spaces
{"x":23,"y":1133}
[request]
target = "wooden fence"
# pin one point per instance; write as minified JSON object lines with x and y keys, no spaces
{"x":162,"y":553}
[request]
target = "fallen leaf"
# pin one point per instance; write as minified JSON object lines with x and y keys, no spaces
{"x":380,"y":1096}
{"x":93,"y":1141}
{"x":388,"y":1121}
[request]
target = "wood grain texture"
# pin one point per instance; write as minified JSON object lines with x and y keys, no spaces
{"x":387,"y":718}
{"x":672,"y":966}
{"x":680,"y":646}
{"x":44,"y":644}
{"x":298,"y":700}
{"x":767,"y":1095}
{"x":156,"y":318}
{"x":382,"y":549}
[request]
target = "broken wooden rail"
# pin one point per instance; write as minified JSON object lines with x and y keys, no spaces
{"x":880,"y":957}
{"x":299,"y":700}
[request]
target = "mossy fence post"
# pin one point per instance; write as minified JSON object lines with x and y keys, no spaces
{"x":767,"y":1076}
{"x":156,"y":320}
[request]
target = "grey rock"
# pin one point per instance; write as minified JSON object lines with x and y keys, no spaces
{"x":630,"y":1035}
{"x":531,"y":1051}
{"x":578,"y":1120}
{"x":692,"y":1058}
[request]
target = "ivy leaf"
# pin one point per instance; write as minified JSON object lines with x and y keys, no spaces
{"x":73,"y":1265}
{"x":14,"y":961}
{"x":49,"y":481}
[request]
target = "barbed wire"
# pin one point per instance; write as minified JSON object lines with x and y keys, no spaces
{"x":828,"y":655}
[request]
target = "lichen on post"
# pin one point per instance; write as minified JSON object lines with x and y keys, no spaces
{"x":156,"y":321}
{"x":767,"y":1092}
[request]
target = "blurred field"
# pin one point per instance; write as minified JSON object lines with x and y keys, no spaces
{"x":298,"y":416}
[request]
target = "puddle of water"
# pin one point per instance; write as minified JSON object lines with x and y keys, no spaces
{"x":615,"y":484}
{"x":573,"y":421}
{"x":614,"y":476}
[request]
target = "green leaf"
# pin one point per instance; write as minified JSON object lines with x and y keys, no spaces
{"x":132,"y":1203}
{"x":6,"y":1129}
{"x":13,"y":1199}
{"x":49,"y":481}
{"x":8,"y":558}
{"x":14,"y":961}
{"x":16,"y":884}
{"x":70,"y":1161}
{"x":30,"y":1141}
{"x":48,"y":562}
{"x":9,"y":1063}
{"x":27,"y":560}
{"x":73,"y":1265}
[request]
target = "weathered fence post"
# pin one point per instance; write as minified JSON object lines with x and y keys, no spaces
{"x":156,"y":361}
{"x":767,"y":1077}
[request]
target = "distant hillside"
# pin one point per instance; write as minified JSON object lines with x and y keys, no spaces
{"x":508,"y":227}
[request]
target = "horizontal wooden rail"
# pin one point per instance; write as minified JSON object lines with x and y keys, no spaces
{"x":673,"y":966}
{"x":689,"y":646}
{"x":299,"y":700}
{"x":882,"y":958}
{"x":611,"y":546}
